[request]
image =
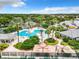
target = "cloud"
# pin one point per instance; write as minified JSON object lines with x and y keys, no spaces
{"x":13,"y":3}
{"x":18,"y":4}
{"x":57,"y":10}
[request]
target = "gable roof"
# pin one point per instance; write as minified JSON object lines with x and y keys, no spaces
{"x":7,"y":36}
{"x":72,"y":33}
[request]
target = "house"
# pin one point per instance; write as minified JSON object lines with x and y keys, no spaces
{"x":76,"y":22}
{"x":7,"y":38}
{"x":72,"y":33}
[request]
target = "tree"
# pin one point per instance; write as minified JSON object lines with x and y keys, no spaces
{"x":48,"y":32}
{"x":44,"y":25}
{"x":18,"y":22}
{"x":41,"y":32}
{"x":4,"y":22}
{"x":66,"y":39}
{"x":51,"y":29}
{"x":28,"y":44}
{"x":57,"y":34}
{"x":29,"y":24}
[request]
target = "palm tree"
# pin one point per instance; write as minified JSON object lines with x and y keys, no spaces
{"x":48,"y":32}
{"x":51,"y":29}
{"x":17,"y":29}
{"x":18,"y":22}
{"x":29,"y":25}
{"x":41,"y":32}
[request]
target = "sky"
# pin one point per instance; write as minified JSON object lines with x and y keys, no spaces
{"x":39,"y":6}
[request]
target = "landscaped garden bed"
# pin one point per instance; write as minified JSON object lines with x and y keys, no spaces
{"x":64,"y":43}
{"x":28,"y":44}
{"x":51,"y":41}
{"x":72,"y":27}
{"x":71,"y":42}
{"x":74,"y":44}
{"x":3,"y":46}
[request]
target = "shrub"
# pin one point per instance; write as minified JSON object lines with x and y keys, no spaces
{"x":28,"y":44}
{"x":74,"y":44}
{"x":64,"y":43}
{"x":34,"y":39}
{"x":50,"y":41}
{"x":72,"y":27}
{"x":18,"y":45}
{"x":3,"y":46}
{"x":66,"y":39}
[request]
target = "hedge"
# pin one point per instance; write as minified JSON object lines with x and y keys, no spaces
{"x":3,"y":46}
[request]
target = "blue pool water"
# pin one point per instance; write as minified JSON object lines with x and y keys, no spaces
{"x":26,"y":33}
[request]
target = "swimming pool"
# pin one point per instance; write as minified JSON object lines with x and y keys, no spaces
{"x":26,"y":33}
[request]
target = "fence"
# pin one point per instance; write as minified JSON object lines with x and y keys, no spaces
{"x":3,"y":54}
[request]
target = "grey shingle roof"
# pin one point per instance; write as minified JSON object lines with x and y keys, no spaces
{"x":6,"y":36}
{"x":72,"y":33}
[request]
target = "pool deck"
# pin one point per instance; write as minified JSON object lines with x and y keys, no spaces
{"x":37,"y":48}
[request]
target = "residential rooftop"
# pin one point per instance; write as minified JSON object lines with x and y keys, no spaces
{"x":72,"y":33}
{"x":7,"y":36}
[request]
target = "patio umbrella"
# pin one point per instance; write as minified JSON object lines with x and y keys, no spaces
{"x":59,"y":48}
{"x":68,"y":50}
{"x":15,"y":52}
{"x":49,"y":49}
{"x":37,"y":49}
{"x":11,"y":49}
